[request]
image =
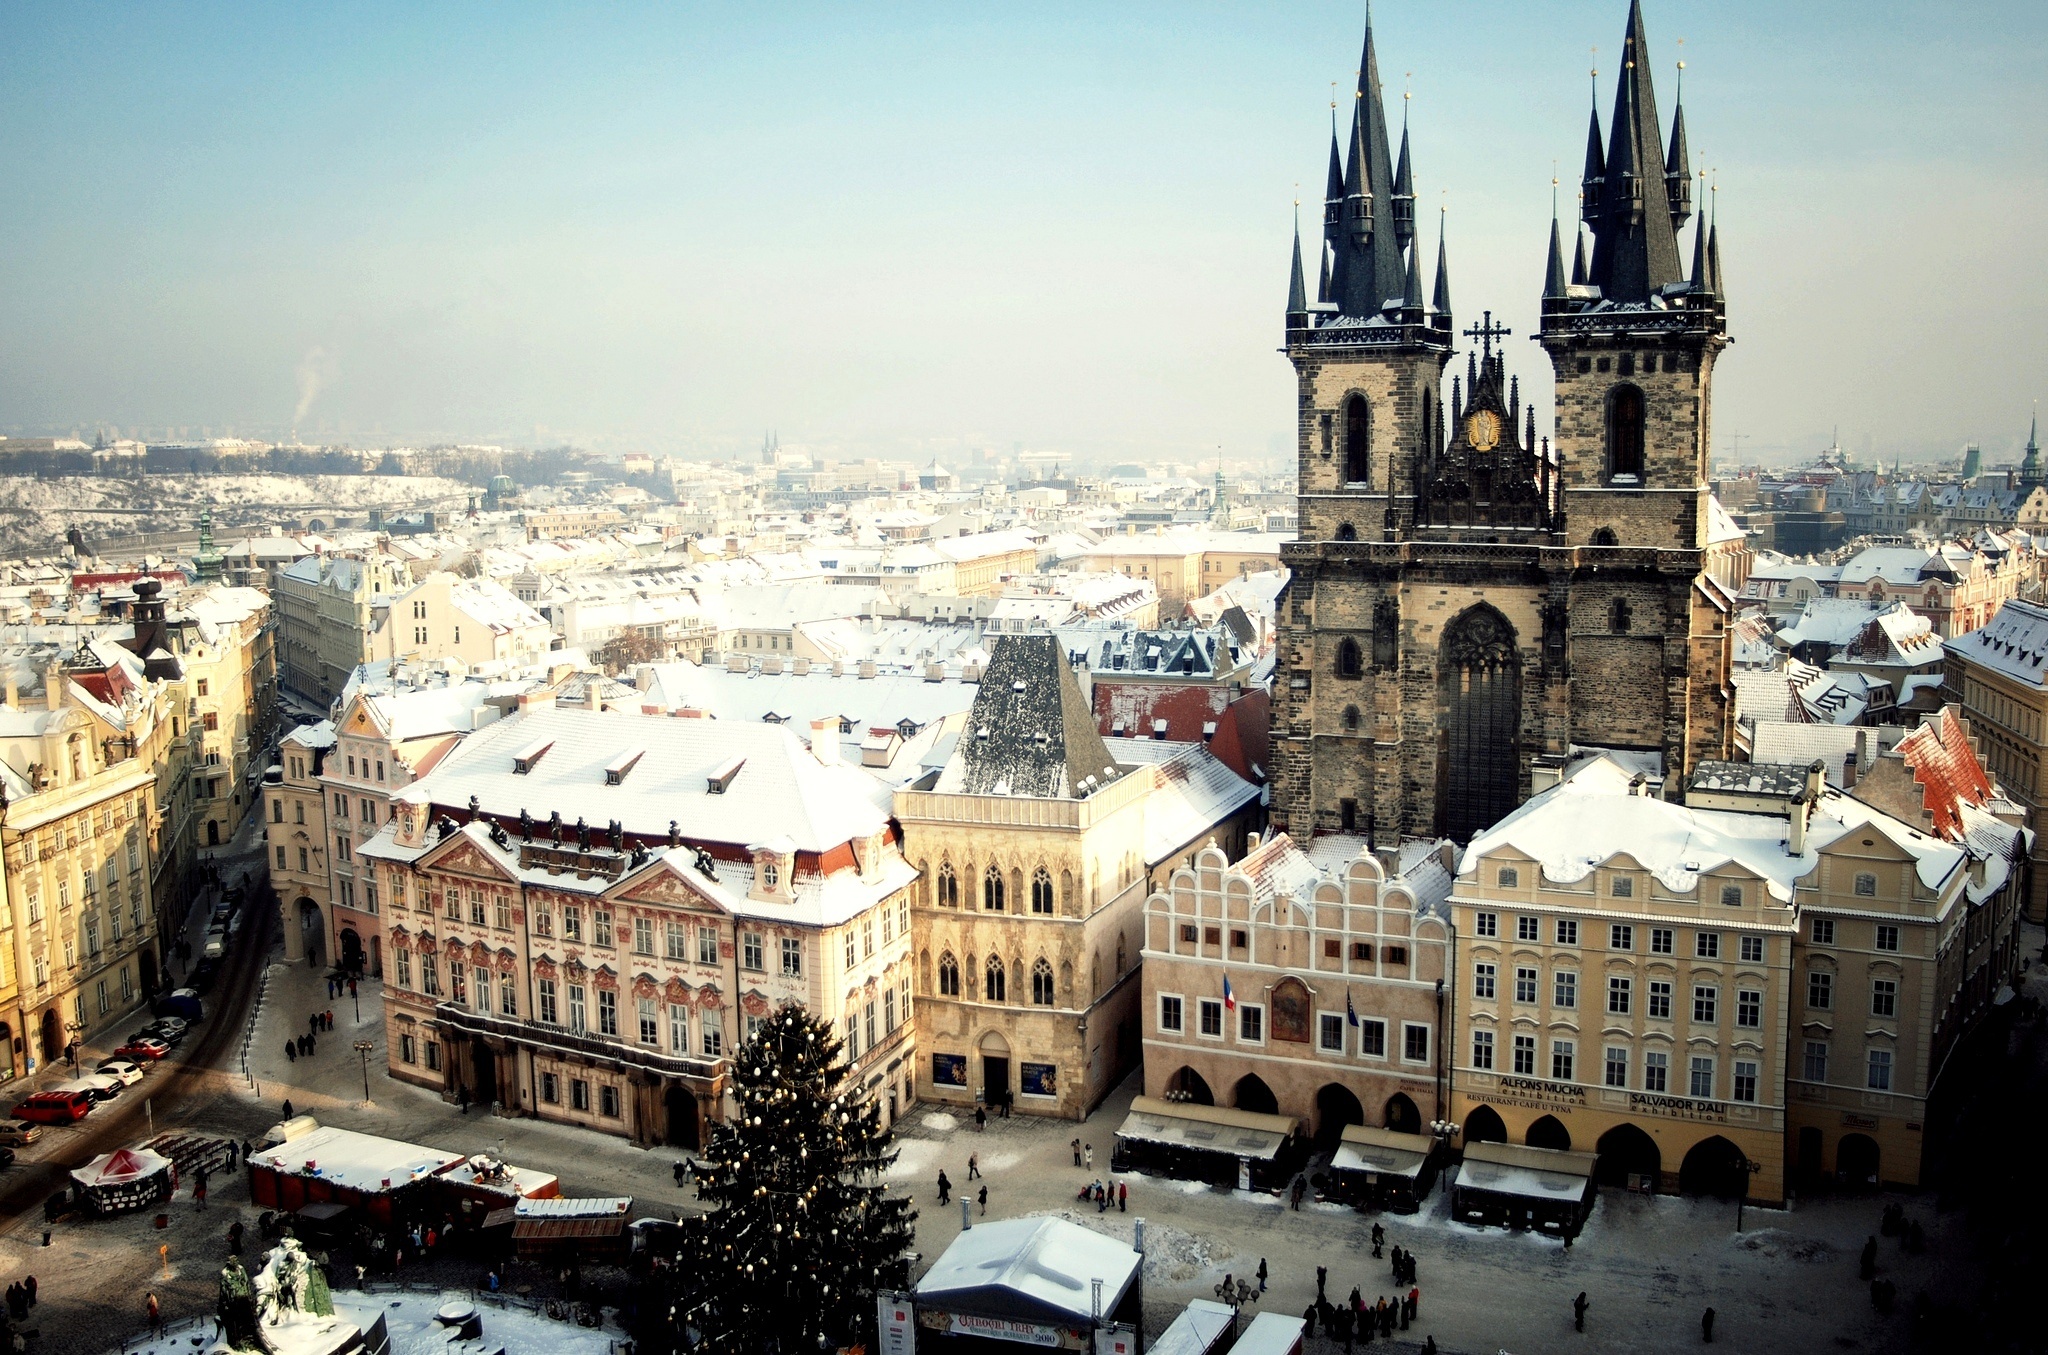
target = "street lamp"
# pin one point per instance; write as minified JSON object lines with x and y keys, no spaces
{"x":363,"y":1048}
{"x":74,"y":1029}
{"x":1749,"y":1169}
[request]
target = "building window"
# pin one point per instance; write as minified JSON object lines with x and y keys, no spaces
{"x":679,"y":1029}
{"x":1662,"y":940}
{"x":949,"y":976}
{"x":1528,"y":929}
{"x":1330,"y":1033}
{"x":792,"y":958}
{"x":1041,"y":983}
{"x":1211,"y":1016}
{"x":712,"y":1025}
{"x":1482,"y":1050}
{"x":434,"y":1055}
{"x":1660,"y":1000}
{"x":992,"y":890}
{"x":546,"y":988}
{"x":406,"y":1051}
{"x":850,"y":961}
{"x":1884,"y":997}
{"x":579,"y":1094}
{"x":1509,"y":878}
{"x":1482,"y":981}
{"x":1887,"y":937}
{"x":995,"y":980}
{"x":948,"y":886}
{"x":1707,"y":946}
{"x":430,"y":977}
{"x":650,"y":1025}
{"x":707,"y":945}
{"x":1041,"y":892}
{"x":1525,"y":1056}
{"x":1486,"y":924}
{"x":577,"y":1013}
{"x":1816,"y":1060}
{"x":1622,"y":887}
{"x":751,"y":945}
{"x":572,"y":922}
{"x":1350,"y":659}
{"x":643,"y":936}
{"x":1372,"y":1038}
{"x":1656,"y":1072}
{"x":1701,"y":1087}
{"x":1618,"y":995}
{"x":1621,"y":936}
{"x":1823,"y":931}
{"x":1525,"y":985}
{"x":1566,"y":992}
{"x":1625,"y":425}
{"x":600,"y":927}
{"x":1562,"y":1053}
{"x":1749,"y":1008}
{"x":1567,"y":931}
{"x":1820,"y":989}
{"x":1414,"y":1042}
{"x":404,"y":967}
{"x":607,"y":1012}
{"x":1617,"y":1066}
{"x":1880,"y":1078}
{"x":1866,"y":885}
{"x":1731,"y":895}
{"x":508,"y":995}
{"x":1752,"y":950}
{"x":1706,"y":1002}
{"x":551,"y":1088}
{"x":1745,"y":1081}
{"x":1251,"y":1023}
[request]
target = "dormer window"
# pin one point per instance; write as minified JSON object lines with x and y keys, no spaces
{"x":771,"y":875}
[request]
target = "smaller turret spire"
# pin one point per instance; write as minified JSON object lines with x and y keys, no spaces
{"x":1404,"y":183}
{"x":1714,"y":247}
{"x":1678,"y":164}
{"x":1579,"y":258}
{"x":1553,"y":276}
{"x":1297,"y":288}
{"x":1411,"y":291}
{"x":1594,"y":178}
{"x":1333,"y":191}
{"x":1442,"y":303}
{"x":1701,"y":281}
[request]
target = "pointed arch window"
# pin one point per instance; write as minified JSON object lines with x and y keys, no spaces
{"x":1357,"y":441}
{"x":1350,"y":659}
{"x":1041,"y":892}
{"x":1041,"y":983}
{"x":1351,"y":719}
{"x":992,"y":890}
{"x":1346,"y":532}
{"x":949,"y":975}
{"x":997,"y":987}
{"x":949,"y":886}
{"x":1625,"y":421}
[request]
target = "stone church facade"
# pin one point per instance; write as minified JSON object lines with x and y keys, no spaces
{"x":1470,"y":601}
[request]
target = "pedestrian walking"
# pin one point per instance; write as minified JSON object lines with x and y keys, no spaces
{"x":980,"y":1120}
{"x":1077,"y":1150}
{"x":235,"y":1237}
{"x":1308,"y":1320}
{"x":1101,"y":1198}
{"x":462,"y":1098}
{"x":1429,"y":1346}
{"x":351,"y":987}
{"x":1379,"y":1236}
{"x":1262,"y":1274}
{"x":28,"y":1287}
{"x":984,"y":1199}
{"x":1866,"y":1265}
{"x":945,"y":1188}
{"x":1322,"y":1278}
{"x":1123,"y":1197}
{"x":973,"y":1165}
{"x":1415,"y":1301}
{"x":679,"y":1173}
{"x":1088,"y":1156}
{"x":1300,"y":1189}
{"x":291,"y":1050}
{"x":1579,"y":1312}
{"x":329,"y":1024}
{"x":246,"y":1149}
{"x":199,"y":1188}
{"x":288,"y":1108}
{"x":1707,"y":1326}
{"x":1341,"y":1329}
{"x":156,"y":1314}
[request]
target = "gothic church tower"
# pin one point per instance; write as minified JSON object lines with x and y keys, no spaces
{"x":1469,"y":601}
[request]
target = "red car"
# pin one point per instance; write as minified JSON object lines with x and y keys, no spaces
{"x":143,"y":1047}
{"x":54,"y":1108}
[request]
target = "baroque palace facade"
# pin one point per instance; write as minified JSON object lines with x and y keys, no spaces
{"x":1470,"y":600}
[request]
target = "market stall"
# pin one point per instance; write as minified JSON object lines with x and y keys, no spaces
{"x":1224,"y":1147}
{"x":1382,"y":1169}
{"x":130,"y":1178}
{"x":560,"y":1229}
{"x":1028,"y":1280}
{"x":1517,"y":1186}
{"x":1204,"y":1327}
{"x":362,"y":1171}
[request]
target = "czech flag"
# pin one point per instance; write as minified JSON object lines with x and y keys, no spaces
{"x":1229,"y":1000}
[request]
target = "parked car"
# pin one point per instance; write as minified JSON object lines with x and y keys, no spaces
{"x":182,"y":1003}
{"x":6,"y":1158}
{"x":144,"y":1048}
{"x":98,"y":1086}
{"x":203,"y":976}
{"x":54,"y":1108}
{"x":169,"y":1029}
{"x":19,"y":1133}
{"x":128,"y":1071}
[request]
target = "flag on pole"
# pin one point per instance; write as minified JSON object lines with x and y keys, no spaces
{"x":1350,"y":1012}
{"x":1229,"y":1001}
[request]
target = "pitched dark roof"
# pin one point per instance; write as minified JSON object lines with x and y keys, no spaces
{"x":1635,"y":246}
{"x":1030,"y":731}
{"x":1369,"y":265}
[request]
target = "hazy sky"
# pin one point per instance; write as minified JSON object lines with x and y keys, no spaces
{"x":904,"y":229}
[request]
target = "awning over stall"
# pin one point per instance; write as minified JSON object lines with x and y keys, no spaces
{"x":1387,"y":1152}
{"x":1545,"y":1174}
{"x":1212,"y":1129}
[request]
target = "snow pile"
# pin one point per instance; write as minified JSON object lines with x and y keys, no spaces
{"x":1172,"y":1257}
{"x":1777,"y":1244}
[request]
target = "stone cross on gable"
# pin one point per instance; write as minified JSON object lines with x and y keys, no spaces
{"x":1486,"y":332}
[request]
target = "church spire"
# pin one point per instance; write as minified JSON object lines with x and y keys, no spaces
{"x":1404,"y":186}
{"x":1333,"y":191}
{"x":1702,"y":281}
{"x":1578,"y":257}
{"x":1553,"y":276}
{"x":2030,"y":469}
{"x":1635,"y":246}
{"x":1369,"y":268}
{"x":1411,"y":288}
{"x":1678,"y":164}
{"x":1297,"y":286}
{"x":1714,"y":252}
{"x":1442,"y":302}
{"x":1594,"y":178}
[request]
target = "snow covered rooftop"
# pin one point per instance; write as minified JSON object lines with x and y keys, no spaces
{"x":2013,"y":643}
{"x":1031,"y":1266}
{"x":355,"y":1161}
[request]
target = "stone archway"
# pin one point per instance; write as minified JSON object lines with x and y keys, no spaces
{"x":1190,"y":1086}
{"x":1336,"y":1107}
{"x":1549,"y":1132}
{"x":683,"y":1131}
{"x":312,"y":932}
{"x":1714,"y":1166}
{"x":995,"y":1069}
{"x":351,"y":957}
{"x":1479,"y":712}
{"x":1252,"y":1093}
{"x":1626,"y":1151}
{"x":1402,"y":1115}
{"x":53,"y":1036}
{"x":1484,"y":1125}
{"x":1856,"y":1161}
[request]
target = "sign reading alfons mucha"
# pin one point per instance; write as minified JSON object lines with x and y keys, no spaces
{"x":1530,"y":1091}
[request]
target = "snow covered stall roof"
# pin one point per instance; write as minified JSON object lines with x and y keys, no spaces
{"x":1031,"y":1270}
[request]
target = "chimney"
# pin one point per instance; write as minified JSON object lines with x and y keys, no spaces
{"x":1816,"y":781}
{"x":825,"y":742}
{"x":13,"y":691}
{"x":53,"y":686}
{"x":536,"y":702}
{"x":1799,"y":809}
{"x":1849,"y":771}
{"x":593,"y":692}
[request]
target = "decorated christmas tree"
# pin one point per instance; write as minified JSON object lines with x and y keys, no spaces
{"x":802,"y":1231}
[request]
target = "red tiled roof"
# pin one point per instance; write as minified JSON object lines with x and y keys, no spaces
{"x":1946,"y":769}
